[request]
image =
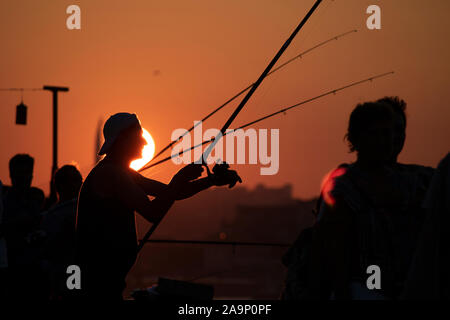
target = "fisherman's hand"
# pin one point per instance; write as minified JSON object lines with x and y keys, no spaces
{"x":188,"y":173}
{"x":222,"y":176}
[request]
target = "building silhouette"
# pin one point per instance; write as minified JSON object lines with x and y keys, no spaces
{"x":261,"y":215}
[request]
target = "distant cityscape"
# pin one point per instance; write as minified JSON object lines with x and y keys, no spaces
{"x":262,"y":215}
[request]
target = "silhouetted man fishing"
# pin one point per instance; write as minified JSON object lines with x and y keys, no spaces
{"x":105,"y":230}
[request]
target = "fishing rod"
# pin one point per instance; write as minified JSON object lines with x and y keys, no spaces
{"x":242,"y":104}
{"x":271,"y":115}
{"x":300,"y":55}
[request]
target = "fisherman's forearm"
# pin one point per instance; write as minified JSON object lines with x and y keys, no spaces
{"x":150,"y":187}
{"x":160,"y":205}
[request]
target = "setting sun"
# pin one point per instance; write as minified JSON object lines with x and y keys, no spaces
{"x":147,"y":152}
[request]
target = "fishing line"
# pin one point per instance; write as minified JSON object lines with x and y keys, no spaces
{"x":242,"y":104}
{"x":298,"y":56}
{"x":334,"y":91}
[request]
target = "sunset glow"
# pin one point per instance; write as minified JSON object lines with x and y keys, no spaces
{"x":328,"y":183}
{"x":147,"y":152}
{"x":126,"y":58}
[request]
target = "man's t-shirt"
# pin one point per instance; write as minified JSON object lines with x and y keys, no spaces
{"x":106,"y":247}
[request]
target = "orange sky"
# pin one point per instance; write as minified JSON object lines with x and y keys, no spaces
{"x":206,"y":51}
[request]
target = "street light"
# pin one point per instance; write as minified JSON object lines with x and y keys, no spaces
{"x":21,"y":119}
{"x":54,"y":90}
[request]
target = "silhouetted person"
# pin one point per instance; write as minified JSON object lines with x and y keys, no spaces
{"x":22,"y":204}
{"x":105,"y":229}
{"x":369,"y":217}
{"x":412,"y":179}
{"x":59,"y":227}
{"x":429,"y":277}
{"x":422,"y":174}
{"x":398,"y":106}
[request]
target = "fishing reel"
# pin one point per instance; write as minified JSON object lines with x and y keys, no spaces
{"x":222,"y":175}
{"x":220,"y":168}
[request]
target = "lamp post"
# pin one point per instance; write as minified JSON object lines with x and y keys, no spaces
{"x":54,"y":91}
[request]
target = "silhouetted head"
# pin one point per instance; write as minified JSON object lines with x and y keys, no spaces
{"x":123,"y":137}
{"x":398,"y":106}
{"x":68,"y":182}
{"x":371,"y":132}
{"x":21,"y":171}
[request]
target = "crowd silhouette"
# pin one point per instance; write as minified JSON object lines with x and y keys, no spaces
{"x":372,"y":212}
